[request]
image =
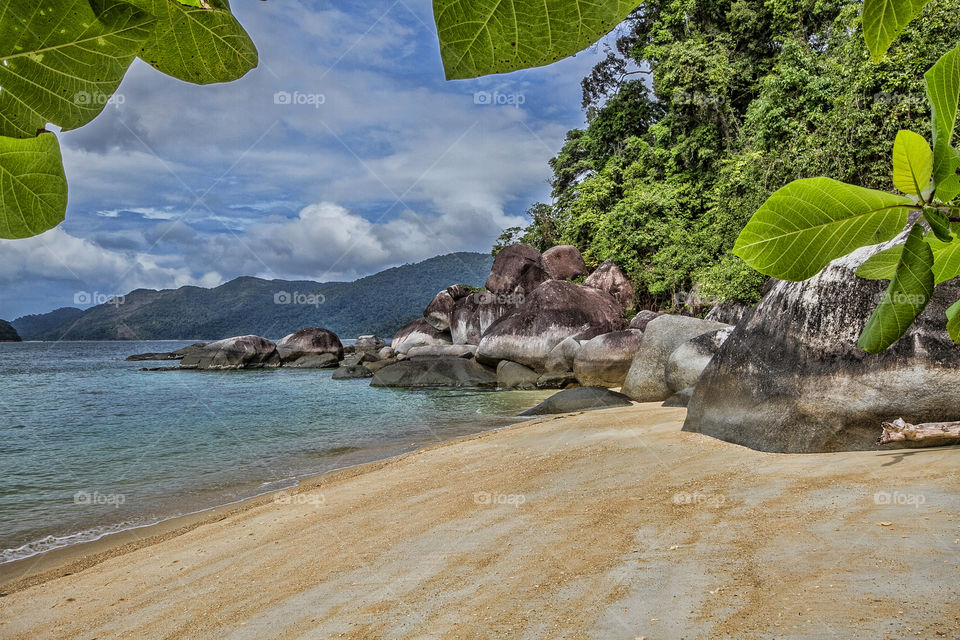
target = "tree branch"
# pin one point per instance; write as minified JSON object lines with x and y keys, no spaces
{"x":930,"y":434}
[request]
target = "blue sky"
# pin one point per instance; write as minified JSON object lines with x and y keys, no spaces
{"x":344,"y":153}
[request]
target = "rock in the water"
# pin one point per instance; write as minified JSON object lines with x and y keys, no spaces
{"x":167,"y":355}
{"x":518,"y":268}
{"x":564,"y":262}
{"x":643,"y":318}
{"x":418,"y":333}
{"x":443,"y":351}
{"x":688,"y":361}
{"x":791,"y":379}
{"x":561,"y":357}
{"x":369,"y":344}
{"x":647,"y":379}
{"x":386,"y":353}
{"x":555,"y":310}
{"x":436,"y":372}
{"x":511,"y":375}
{"x":379,"y":364}
{"x":604,"y":361}
{"x":8,"y":333}
{"x":680,"y":398}
{"x":579,"y":399}
{"x":729,"y":313}
{"x":352,"y":372}
{"x":608,"y":277}
{"x":311,"y":348}
{"x":241,"y":352}
{"x":557,"y":380}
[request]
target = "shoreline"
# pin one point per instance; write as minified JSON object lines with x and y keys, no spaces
{"x":609,"y":524}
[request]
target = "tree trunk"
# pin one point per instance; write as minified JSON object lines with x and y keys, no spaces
{"x":929,"y":434}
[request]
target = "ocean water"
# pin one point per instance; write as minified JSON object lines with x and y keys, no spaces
{"x":90,"y":445}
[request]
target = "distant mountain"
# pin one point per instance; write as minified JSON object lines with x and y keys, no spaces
{"x":381,"y":304}
{"x":8,"y":333}
{"x":32,"y":327}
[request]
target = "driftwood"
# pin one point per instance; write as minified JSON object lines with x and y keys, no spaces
{"x":929,"y":434}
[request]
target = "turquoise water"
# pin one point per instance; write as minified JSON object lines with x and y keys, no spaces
{"x":90,"y":445}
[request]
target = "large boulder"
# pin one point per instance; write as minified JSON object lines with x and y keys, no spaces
{"x":436,"y":372}
{"x":790,"y":377}
{"x":563,"y":262}
{"x":167,"y":355}
{"x":511,"y":375}
{"x":688,"y":361}
{"x":608,"y":277}
{"x":729,"y":312}
{"x":517,"y":268}
{"x":417,"y":334}
{"x":311,"y":348}
{"x":579,"y":399}
{"x":643,"y":318}
{"x":352,"y":372}
{"x":443,"y":351}
{"x":473,"y":314}
{"x":438,"y":313}
{"x":561,"y":357}
{"x":555,"y":310}
{"x":647,"y":380}
{"x":604,"y":361}
{"x":241,"y":352}
{"x":557,"y":380}
{"x":369,"y":344}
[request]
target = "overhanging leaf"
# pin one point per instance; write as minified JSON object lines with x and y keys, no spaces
{"x":61,"y":60}
{"x":197,"y":41}
{"x":943,"y":92}
{"x":881,"y":266}
{"x":33,"y":189}
{"x":912,"y":163}
{"x":953,"y":321}
{"x":946,"y":261}
{"x":905,"y":298}
{"x":939,"y":224}
{"x":810,"y":222}
{"x":478,"y":37}
{"x":883,"y":20}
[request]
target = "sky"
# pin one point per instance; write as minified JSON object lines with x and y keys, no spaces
{"x":344,"y":153}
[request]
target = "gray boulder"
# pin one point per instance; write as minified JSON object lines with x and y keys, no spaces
{"x":579,"y":399}
{"x":557,"y":380}
{"x":680,"y":398}
{"x":643,"y":318}
{"x":417,"y":334}
{"x":473,"y":314}
{"x":443,"y":351}
{"x":241,"y":352}
{"x":608,"y":277}
{"x":561,"y":357}
{"x":438,"y":312}
{"x":688,"y":361}
{"x":555,"y":310}
{"x":379,"y":364}
{"x":564,"y":262}
{"x":436,"y":372}
{"x":518,"y":268}
{"x":311,"y":348}
{"x":604,"y":361}
{"x":167,"y":355}
{"x":647,"y":380}
{"x":352,"y":372}
{"x":728,"y":312}
{"x":386,"y":353}
{"x":511,"y":375}
{"x":369,"y":344}
{"x":790,"y":377}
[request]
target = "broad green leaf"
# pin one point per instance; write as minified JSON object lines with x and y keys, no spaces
{"x":883,"y":20}
{"x":197,"y":41}
{"x":943,"y":92}
{"x":938,"y":223}
{"x":946,"y":261}
{"x":479,"y":37}
{"x":881,"y":266}
{"x":810,"y":222}
{"x":905,"y":298}
{"x":912,"y":163}
{"x":33,"y":189}
{"x":953,"y":321}
{"x":61,"y":60}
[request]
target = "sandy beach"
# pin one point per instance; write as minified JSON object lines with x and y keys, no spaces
{"x":611,"y":524}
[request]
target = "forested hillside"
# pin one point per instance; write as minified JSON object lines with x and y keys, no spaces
{"x":703,"y":110}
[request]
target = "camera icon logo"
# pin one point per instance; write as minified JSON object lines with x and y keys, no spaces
{"x":482,"y":97}
{"x":282,"y":97}
{"x":282,"y":297}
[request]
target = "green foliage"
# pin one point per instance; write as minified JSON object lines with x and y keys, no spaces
{"x":912,"y":163}
{"x":479,"y":37}
{"x":883,"y":20}
{"x":943,"y":91}
{"x":62,"y":60}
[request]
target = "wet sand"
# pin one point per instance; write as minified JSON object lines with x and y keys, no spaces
{"x":609,"y":524}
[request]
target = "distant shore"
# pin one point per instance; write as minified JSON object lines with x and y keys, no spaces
{"x":607,"y":524}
